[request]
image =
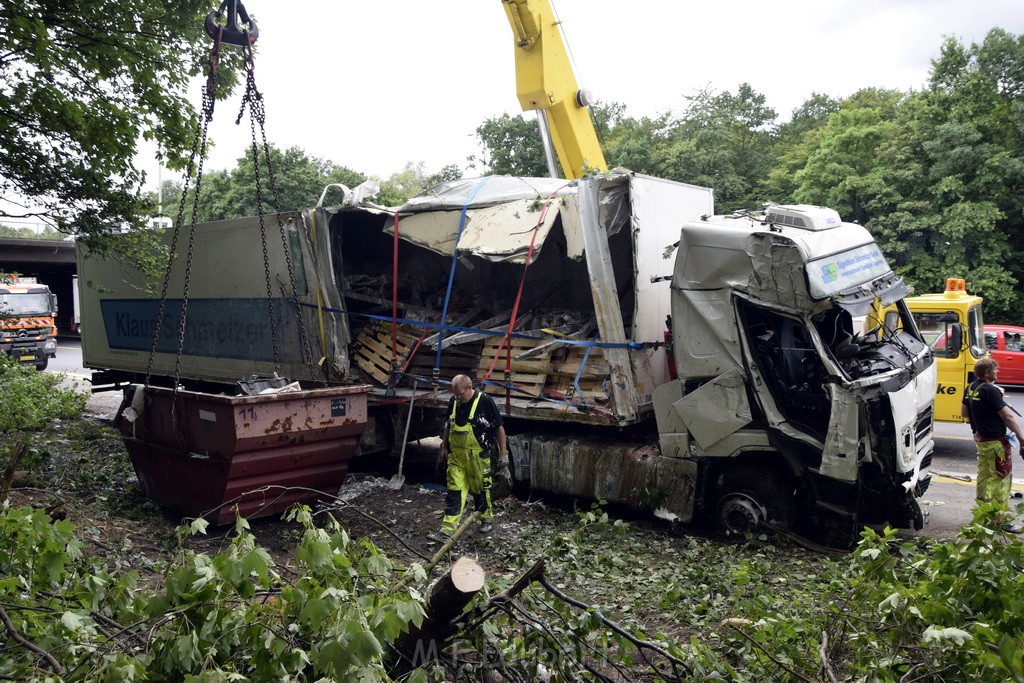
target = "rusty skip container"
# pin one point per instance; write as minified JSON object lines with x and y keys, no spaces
{"x":212,"y":456}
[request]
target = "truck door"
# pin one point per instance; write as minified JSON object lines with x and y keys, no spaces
{"x":791,"y":366}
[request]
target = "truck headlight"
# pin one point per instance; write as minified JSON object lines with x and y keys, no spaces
{"x":50,"y":345}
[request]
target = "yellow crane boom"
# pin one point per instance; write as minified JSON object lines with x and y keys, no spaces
{"x":545,"y":82}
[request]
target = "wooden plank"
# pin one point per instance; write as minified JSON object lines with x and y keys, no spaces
{"x":599,"y":368}
{"x":495,"y":342}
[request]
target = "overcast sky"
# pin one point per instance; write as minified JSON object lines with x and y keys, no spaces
{"x":373,"y":85}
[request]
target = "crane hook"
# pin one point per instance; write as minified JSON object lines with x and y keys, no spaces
{"x":232,"y":33}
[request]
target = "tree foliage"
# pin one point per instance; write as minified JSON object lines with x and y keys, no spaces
{"x":299,"y":180}
{"x":25,"y":233}
{"x":954,"y":173}
{"x":80,"y":84}
{"x":512,"y":146}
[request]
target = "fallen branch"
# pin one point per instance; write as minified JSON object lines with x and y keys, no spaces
{"x":769,"y":656}
{"x":445,"y":602}
{"x":823,"y":653}
{"x":640,"y":645}
{"x":12,"y":465}
{"x":18,"y":638}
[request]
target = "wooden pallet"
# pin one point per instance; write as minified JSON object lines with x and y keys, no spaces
{"x":592,"y":380}
{"x":528,"y":376}
{"x":372,"y":349}
{"x":460,"y":360}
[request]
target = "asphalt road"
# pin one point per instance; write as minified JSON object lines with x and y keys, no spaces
{"x":947,"y":504}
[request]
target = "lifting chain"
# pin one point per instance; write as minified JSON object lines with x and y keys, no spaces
{"x":254,"y":99}
{"x":198,"y":151}
{"x":257,"y":116}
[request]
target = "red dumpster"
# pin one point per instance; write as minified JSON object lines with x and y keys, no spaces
{"x":213,"y":455}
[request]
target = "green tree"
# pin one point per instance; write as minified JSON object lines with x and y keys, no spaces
{"x":953,"y":204}
{"x":511,"y":146}
{"x":844,"y":171}
{"x":447,"y":173}
{"x":299,"y":178}
{"x":795,"y":141}
{"x":722,"y":141}
{"x":47,"y":233}
{"x":82,"y":82}
{"x":639,"y":144}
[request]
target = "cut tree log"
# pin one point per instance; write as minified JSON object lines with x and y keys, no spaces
{"x":446,"y":600}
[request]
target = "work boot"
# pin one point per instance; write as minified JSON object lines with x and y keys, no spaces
{"x":438,"y":537}
{"x":485,"y":528}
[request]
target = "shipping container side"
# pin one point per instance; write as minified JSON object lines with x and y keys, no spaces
{"x":231,"y":323}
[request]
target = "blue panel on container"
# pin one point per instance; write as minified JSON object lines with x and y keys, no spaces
{"x":218,"y":328}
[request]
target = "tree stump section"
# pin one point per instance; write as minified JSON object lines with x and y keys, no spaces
{"x":447,"y":599}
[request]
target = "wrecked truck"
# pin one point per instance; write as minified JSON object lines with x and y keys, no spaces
{"x":642,"y":350}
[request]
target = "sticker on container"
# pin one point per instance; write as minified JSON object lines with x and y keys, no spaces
{"x":337,"y":407}
{"x":207,"y":415}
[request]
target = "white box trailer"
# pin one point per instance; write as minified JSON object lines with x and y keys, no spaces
{"x":603,"y":263}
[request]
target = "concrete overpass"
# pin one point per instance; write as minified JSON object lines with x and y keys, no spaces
{"x":52,"y":262}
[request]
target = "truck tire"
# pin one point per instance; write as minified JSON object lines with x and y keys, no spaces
{"x":749,"y":495}
{"x":41,"y":365}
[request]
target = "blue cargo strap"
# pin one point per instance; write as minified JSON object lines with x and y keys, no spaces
{"x":451,"y":276}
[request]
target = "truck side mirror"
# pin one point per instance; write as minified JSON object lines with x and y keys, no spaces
{"x":53,"y":302}
{"x":955,"y":335}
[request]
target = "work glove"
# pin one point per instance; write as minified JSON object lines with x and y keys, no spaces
{"x":502,"y":467}
{"x":501,"y":484}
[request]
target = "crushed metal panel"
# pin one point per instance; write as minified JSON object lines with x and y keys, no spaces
{"x":704,"y":333}
{"x":477,"y":192}
{"x":716,"y":409}
{"x":498,"y":233}
{"x":501,"y":215}
{"x":619,"y":472}
{"x":907,"y":404}
{"x":677,"y":480}
{"x":335,"y":336}
{"x":839,"y":457}
{"x":607,"y":311}
{"x":777,"y":271}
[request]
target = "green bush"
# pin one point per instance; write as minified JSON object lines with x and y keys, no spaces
{"x":31,"y":400}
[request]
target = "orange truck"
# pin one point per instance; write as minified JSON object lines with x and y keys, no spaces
{"x":27,"y":329}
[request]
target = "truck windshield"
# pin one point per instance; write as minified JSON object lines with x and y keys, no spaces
{"x":24,"y":303}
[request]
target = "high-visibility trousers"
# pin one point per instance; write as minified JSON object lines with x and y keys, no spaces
{"x":991,"y":487}
{"x":469,"y":473}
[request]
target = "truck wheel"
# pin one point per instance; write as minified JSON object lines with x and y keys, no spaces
{"x":749,"y":495}
{"x":42,"y":364}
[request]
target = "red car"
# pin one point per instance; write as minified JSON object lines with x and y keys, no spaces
{"x":1005,"y":344}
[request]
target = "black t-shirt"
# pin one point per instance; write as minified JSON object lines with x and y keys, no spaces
{"x":486,"y":420}
{"x":984,"y":401}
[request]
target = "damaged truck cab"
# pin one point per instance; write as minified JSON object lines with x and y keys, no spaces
{"x":789,"y":416}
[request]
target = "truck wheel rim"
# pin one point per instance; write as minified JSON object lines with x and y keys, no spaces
{"x":741,"y":513}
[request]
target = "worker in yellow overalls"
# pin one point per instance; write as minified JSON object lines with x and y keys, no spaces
{"x":473,"y":431}
{"x":991,"y":419}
